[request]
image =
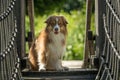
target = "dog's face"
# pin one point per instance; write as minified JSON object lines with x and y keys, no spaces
{"x":56,"y":24}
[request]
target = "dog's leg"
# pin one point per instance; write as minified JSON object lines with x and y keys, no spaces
{"x":42,"y":61}
{"x":61,"y":68}
{"x":32,"y":58}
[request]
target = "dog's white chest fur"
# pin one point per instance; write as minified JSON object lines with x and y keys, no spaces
{"x":56,"y":49}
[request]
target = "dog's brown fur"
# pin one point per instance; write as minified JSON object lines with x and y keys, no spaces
{"x":42,"y":55}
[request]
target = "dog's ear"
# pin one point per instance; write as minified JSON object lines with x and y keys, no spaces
{"x":64,"y":20}
{"x":48,"y":20}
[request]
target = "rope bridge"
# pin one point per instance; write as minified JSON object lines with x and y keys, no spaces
{"x":9,"y":60}
{"x":110,"y":58}
{"x":12,"y":45}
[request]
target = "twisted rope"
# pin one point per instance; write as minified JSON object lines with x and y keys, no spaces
{"x":8,"y":10}
{"x":10,"y":45}
{"x":113,"y":11}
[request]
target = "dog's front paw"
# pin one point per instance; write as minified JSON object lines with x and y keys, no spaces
{"x":60,"y":69}
{"x":63,"y":69}
{"x":42,"y":67}
{"x":66,"y":68}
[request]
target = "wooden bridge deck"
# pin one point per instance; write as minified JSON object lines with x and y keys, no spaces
{"x":75,"y":72}
{"x":73,"y":64}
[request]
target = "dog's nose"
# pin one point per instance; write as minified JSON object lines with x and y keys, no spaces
{"x":56,"y":29}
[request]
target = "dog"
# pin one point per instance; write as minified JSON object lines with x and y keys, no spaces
{"x":47,"y":51}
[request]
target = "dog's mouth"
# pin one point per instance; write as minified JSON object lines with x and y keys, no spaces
{"x":56,"y":32}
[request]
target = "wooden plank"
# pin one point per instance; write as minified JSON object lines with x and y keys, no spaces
{"x":75,"y":72}
{"x":31,"y":19}
{"x":20,"y":15}
{"x":73,"y":64}
{"x":81,"y":74}
{"x":100,"y":33}
{"x":64,"y":78}
{"x":88,"y":27}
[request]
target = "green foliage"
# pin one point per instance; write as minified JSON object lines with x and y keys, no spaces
{"x":76,"y":30}
{"x":49,"y":6}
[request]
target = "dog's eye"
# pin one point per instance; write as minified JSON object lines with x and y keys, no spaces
{"x":59,"y":23}
{"x":52,"y":23}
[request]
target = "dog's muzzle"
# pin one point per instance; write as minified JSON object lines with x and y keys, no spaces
{"x":56,"y":29}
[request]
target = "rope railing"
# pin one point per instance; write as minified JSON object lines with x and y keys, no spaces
{"x":110,"y":58}
{"x":8,"y":10}
{"x":9,"y":60}
{"x":112,"y":10}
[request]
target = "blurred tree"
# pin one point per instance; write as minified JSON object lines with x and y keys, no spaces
{"x":48,"y":6}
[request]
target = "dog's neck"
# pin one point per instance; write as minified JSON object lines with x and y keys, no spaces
{"x":57,"y":38}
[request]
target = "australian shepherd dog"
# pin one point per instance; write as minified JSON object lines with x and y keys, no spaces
{"x":47,"y":51}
